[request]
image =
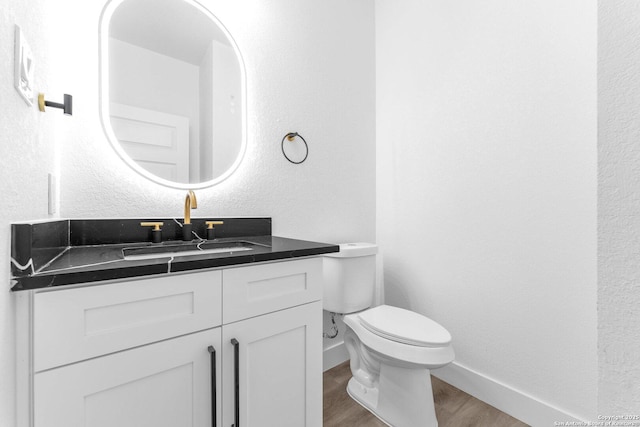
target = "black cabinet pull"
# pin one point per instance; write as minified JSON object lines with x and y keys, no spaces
{"x":236,"y":375}
{"x":212,"y":353}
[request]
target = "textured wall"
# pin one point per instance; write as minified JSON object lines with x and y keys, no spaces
{"x":315,"y":77}
{"x":28,"y":154}
{"x":619,"y":207}
{"x":486,"y":184}
{"x":310,"y":68}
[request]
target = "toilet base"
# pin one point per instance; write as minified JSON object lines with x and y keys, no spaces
{"x":402,"y":397}
{"x":367,"y":398}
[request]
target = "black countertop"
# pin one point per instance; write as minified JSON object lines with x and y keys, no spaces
{"x":66,"y":264}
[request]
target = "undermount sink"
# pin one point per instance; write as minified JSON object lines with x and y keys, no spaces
{"x":188,"y":249}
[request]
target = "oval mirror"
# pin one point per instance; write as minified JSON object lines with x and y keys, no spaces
{"x":172,"y":91}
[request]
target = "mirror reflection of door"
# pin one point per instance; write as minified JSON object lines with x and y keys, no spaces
{"x":159,"y":142}
{"x":175,"y":89}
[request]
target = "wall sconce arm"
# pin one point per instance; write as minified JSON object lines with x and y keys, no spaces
{"x":67,"y":106}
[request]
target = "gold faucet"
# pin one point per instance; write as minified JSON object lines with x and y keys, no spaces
{"x":189,"y":203}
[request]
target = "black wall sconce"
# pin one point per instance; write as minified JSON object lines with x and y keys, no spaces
{"x":67,"y":106}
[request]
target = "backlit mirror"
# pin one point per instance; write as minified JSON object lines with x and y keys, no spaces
{"x":172,"y":91}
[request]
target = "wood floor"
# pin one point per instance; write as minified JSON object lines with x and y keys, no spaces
{"x":454,"y":408}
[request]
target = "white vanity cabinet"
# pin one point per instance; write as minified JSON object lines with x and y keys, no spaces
{"x":242,"y":344}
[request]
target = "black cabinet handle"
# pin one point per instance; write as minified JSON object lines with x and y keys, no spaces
{"x":236,"y":375}
{"x":212,"y":353}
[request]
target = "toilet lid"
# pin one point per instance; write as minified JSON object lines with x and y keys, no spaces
{"x":404,"y":326}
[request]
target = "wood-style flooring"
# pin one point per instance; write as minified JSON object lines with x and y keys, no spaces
{"x":454,"y":408}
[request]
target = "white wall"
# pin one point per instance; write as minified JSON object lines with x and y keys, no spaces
{"x":206,"y":113}
{"x":28,"y":154}
{"x":618,"y":206}
{"x":221,"y":112}
{"x":486,"y":189}
{"x":315,"y":77}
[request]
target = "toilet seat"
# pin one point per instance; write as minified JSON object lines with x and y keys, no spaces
{"x":386,"y":343}
{"x":404,"y":326}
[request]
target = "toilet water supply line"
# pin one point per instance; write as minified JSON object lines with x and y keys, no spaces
{"x":334,"y":328}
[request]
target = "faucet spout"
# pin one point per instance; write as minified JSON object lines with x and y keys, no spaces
{"x":190,"y":202}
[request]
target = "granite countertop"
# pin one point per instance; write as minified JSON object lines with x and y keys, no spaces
{"x":64,"y":264}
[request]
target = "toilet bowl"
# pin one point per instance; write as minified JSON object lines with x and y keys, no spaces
{"x":390,"y":361}
{"x":391,"y":350}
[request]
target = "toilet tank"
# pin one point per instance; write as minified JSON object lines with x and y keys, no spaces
{"x":349,"y":278}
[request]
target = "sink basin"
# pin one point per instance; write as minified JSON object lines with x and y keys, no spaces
{"x":188,"y":249}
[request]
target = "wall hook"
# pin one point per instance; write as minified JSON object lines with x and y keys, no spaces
{"x":67,"y":106}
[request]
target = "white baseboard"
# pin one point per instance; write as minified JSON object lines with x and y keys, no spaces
{"x":334,"y":355}
{"x":508,"y":400}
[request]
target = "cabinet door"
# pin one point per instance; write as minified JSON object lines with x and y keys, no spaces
{"x":265,"y":288}
{"x":166,"y":384}
{"x":279,"y":369}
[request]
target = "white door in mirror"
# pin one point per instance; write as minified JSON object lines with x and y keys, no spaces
{"x":159,"y":142}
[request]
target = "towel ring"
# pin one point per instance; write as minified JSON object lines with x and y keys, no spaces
{"x":291,"y":136}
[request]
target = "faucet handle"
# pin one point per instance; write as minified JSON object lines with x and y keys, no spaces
{"x":156,"y":225}
{"x":156,"y":232}
{"x":210,"y":231}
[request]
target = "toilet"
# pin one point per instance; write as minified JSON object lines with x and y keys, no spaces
{"x":391,"y":350}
